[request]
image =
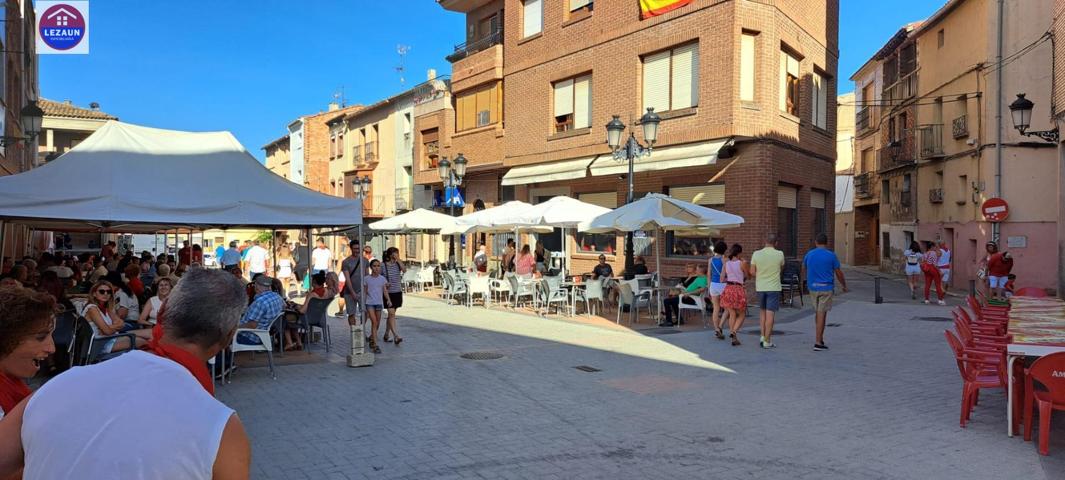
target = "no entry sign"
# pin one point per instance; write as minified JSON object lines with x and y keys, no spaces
{"x":995,"y":210}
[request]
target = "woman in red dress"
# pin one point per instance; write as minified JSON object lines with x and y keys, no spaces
{"x":27,"y":319}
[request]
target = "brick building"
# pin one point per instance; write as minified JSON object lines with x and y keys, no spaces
{"x":746,"y":90}
{"x":306,"y":149}
{"x":20,"y":87}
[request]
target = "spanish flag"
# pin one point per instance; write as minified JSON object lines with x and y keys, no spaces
{"x":651,"y":8}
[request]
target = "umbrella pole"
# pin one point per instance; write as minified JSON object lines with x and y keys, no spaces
{"x":273,"y":248}
{"x":658,"y":271}
{"x":3,"y":241}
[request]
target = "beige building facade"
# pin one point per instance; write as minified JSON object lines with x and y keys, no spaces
{"x":844,"y":206}
{"x":65,"y":125}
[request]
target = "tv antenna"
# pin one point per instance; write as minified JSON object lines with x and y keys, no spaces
{"x":400,"y":69}
{"x":338,"y":97}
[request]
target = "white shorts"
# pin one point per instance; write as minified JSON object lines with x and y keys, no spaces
{"x":913,"y":269}
{"x":716,"y":289}
{"x":945,"y":273}
{"x":997,"y":282}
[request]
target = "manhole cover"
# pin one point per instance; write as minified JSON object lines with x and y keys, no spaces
{"x":932,"y":319}
{"x":586,"y":368}
{"x":482,"y":356}
{"x":779,"y":333}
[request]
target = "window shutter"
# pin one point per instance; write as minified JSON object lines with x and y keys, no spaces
{"x":786,"y":197}
{"x":564,"y":98}
{"x":582,"y":102}
{"x":820,"y":107}
{"x":701,"y":194}
{"x":484,"y":100}
{"x":575,"y":4}
{"x":532,"y":18}
{"x":817,"y":199}
{"x":685,"y":79}
{"x":747,"y":67}
{"x":656,"y":81}
{"x":783,"y":81}
{"x":604,"y":199}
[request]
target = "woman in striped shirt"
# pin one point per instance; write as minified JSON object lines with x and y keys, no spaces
{"x":393,"y":271}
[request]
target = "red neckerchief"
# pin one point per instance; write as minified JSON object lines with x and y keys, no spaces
{"x":194,"y":365}
{"x":12,"y":391}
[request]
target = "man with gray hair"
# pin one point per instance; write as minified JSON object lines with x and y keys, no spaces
{"x":179,"y":429}
{"x":766,"y":267}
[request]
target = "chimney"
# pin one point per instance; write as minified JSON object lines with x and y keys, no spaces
{"x":334,"y":106}
{"x":94,"y":106}
{"x":68,"y":102}
{"x":431,"y":74}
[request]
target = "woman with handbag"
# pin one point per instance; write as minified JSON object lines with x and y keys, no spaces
{"x":393,"y":270}
{"x":913,"y":267}
{"x":717,"y":287}
{"x":931,"y":273}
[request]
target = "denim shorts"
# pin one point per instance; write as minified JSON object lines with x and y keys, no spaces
{"x":375,"y":307}
{"x":769,"y":301}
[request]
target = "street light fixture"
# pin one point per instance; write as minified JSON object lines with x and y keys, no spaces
{"x":361,"y":187}
{"x":1021,"y":108}
{"x":32,"y":116}
{"x":630,"y":151}
{"x":451,"y":174}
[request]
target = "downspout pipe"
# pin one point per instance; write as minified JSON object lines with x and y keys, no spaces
{"x":995,"y":231}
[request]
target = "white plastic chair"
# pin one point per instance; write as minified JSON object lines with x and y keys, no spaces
{"x":410,"y":278}
{"x":426,"y":277}
{"x":479,"y":285}
{"x":593,"y":291}
{"x":634,"y":301}
{"x":267,"y":344}
{"x":550,"y":294}
{"x":453,"y":288}
{"x":519,"y":288}
{"x":500,"y":289}
{"x":700,"y":305}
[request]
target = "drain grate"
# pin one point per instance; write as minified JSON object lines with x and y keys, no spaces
{"x":586,"y":368}
{"x":482,"y":355}
{"x":932,"y":319}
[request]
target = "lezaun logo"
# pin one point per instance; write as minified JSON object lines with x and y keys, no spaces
{"x":63,"y":27}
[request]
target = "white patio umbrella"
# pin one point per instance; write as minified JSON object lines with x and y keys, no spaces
{"x":420,"y":220}
{"x":561,"y":211}
{"x":662,"y":213}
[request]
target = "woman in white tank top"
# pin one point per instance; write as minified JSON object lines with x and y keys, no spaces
{"x":150,"y":312}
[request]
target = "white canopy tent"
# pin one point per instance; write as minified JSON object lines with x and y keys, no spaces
{"x":134,"y":179}
{"x":662,"y":213}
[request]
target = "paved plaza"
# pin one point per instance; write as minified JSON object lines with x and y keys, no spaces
{"x":882,"y":403}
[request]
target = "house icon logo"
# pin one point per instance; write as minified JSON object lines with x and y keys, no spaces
{"x":62,"y":26}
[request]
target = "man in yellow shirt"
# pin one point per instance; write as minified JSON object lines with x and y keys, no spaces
{"x":766,"y":265}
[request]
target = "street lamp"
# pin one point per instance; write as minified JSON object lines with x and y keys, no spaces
{"x":361,"y":186}
{"x":451,"y":174}
{"x":630,"y":151}
{"x":32,"y":116}
{"x":1021,"y":108}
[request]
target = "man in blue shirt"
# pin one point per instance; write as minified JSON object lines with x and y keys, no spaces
{"x":263,"y":310}
{"x":818,"y":266}
{"x":230,"y":259}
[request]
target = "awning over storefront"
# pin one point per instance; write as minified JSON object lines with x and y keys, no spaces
{"x":691,"y":155}
{"x":547,"y":172}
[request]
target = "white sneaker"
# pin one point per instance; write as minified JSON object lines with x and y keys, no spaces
{"x":941,"y":302}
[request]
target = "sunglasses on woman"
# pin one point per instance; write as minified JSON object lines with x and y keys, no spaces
{"x":105,"y":292}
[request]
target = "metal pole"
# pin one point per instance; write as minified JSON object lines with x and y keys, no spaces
{"x":3,"y":242}
{"x":877,"y":299}
{"x":630,"y":154}
{"x":451,"y":206}
{"x":995,"y":228}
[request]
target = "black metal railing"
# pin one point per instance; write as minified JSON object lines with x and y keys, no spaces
{"x":960,"y":127}
{"x":861,"y":119}
{"x":899,"y":152}
{"x":863,"y":186}
{"x":931,"y":141}
{"x":464,"y":50}
{"x":935,"y":195}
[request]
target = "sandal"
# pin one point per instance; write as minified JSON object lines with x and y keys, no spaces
{"x":398,"y":340}
{"x":386,"y":339}
{"x":719,"y":334}
{"x":735,"y":341}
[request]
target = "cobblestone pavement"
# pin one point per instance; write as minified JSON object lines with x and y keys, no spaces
{"x":882,"y":403}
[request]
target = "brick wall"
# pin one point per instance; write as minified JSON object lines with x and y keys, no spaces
{"x":316,"y":149}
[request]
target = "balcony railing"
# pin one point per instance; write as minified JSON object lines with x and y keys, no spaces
{"x":931,"y":141}
{"x":904,"y":88}
{"x":890,"y":157}
{"x":863,"y":186}
{"x":370,"y":152}
{"x":356,"y":154}
{"x":961,"y":126}
{"x":464,"y":50}
{"x":935,"y":195}
{"x":862,"y":121}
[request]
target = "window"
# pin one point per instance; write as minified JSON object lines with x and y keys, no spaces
{"x":532,"y":15}
{"x":906,"y":183}
{"x":789,"y":83}
{"x":332,"y":146}
{"x":600,"y":243}
{"x":885,"y":191}
{"x":817,"y":203}
{"x":573,"y":103}
{"x":937,"y":111}
{"x":499,"y":243}
{"x":788,"y":220}
{"x":701,"y":194}
{"x":940,"y":39}
{"x":907,"y":238}
{"x":868,"y":160}
{"x":430,"y":148}
{"x":579,"y":4}
{"x":891,"y":130}
{"x":479,"y":107}
{"x":682,"y":244}
{"x":885,"y":245}
{"x":340,"y":145}
{"x":747,"y":62}
{"x":406,"y":124}
{"x":412,"y":245}
{"x":488,"y":26}
{"x":671,"y":79}
{"x":963,"y":189}
{"x":819,"y":115}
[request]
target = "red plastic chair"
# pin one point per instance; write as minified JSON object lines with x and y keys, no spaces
{"x":1031,"y":292}
{"x":987,"y":327}
{"x":978,"y":370}
{"x":984,"y":313}
{"x":987,"y":304}
{"x":1049,"y":371}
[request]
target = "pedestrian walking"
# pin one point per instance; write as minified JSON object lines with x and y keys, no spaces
{"x":944,"y":265}
{"x":285,"y":266}
{"x":393,"y":270}
{"x":931,"y":274}
{"x":821,"y":267}
{"x":321,"y":257}
{"x":376,"y":289}
{"x":766,"y":266}
{"x":734,"y":298}
{"x":716,"y":266}
{"x":913,"y":267}
{"x":257,"y":259}
{"x":999,"y":266}
{"x":230,"y":259}
{"x":354,"y":269}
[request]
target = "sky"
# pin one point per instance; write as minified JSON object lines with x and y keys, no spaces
{"x":251,"y":67}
